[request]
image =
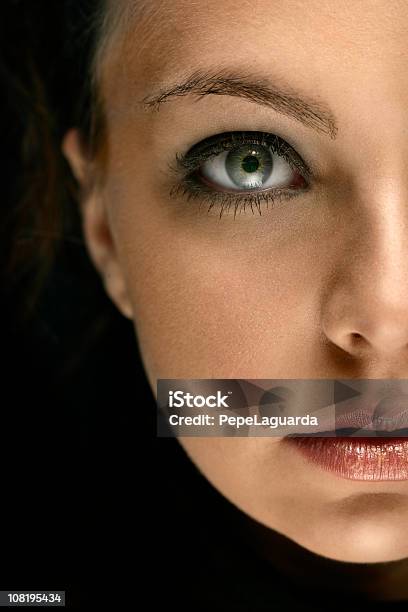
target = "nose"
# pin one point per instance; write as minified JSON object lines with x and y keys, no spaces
{"x":365,"y":304}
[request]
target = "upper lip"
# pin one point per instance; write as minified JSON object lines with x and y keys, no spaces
{"x":389,"y":414}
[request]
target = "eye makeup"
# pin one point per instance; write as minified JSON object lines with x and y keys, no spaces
{"x":194,"y":184}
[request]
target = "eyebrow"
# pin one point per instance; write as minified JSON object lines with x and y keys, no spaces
{"x":258,"y":89}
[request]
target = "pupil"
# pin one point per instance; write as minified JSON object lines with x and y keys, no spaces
{"x":250,"y":163}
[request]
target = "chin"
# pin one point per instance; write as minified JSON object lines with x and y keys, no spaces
{"x":363,"y":543}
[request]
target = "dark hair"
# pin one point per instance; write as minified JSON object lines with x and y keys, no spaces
{"x":47,"y":63}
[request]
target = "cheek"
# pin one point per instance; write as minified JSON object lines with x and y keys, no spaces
{"x":219,"y":306}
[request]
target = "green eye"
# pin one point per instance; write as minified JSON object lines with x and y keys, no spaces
{"x":241,"y":168}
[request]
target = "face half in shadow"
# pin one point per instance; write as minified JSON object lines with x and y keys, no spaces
{"x":252,"y":221}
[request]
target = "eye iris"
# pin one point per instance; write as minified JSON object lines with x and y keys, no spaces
{"x":249,"y":166}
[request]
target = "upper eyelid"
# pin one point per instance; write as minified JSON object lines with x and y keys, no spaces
{"x":189,"y":161}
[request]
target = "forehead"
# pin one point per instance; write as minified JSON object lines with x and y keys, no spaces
{"x":166,"y":33}
{"x":325,"y":48}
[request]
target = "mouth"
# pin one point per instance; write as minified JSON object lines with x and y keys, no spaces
{"x":361,"y":441}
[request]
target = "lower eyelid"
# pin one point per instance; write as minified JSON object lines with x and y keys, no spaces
{"x":212,"y":200}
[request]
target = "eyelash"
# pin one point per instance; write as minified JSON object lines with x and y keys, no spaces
{"x":192,"y":188}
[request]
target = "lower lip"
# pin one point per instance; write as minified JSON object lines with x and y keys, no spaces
{"x":356,"y":458}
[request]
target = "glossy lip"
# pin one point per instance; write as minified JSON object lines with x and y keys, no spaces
{"x":366,"y":459}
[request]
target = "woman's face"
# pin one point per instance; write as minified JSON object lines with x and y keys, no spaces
{"x":316,"y":286}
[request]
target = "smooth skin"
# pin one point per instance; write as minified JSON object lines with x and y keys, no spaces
{"x":315,"y":287}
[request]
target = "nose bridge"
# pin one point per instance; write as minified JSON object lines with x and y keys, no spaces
{"x":369,"y":298}
{"x":381,"y":247}
{"x":375,"y":138}
{"x":365,"y":300}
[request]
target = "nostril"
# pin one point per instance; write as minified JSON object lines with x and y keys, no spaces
{"x":357,"y":339}
{"x":356,"y":335}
